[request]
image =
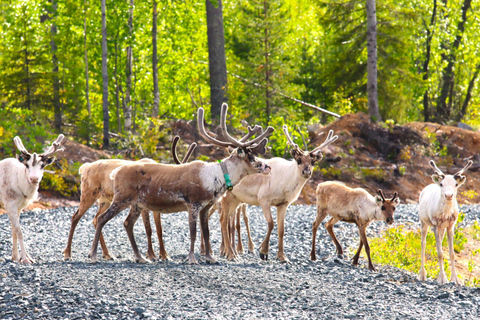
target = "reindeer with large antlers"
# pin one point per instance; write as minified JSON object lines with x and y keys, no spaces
{"x":279,"y":189}
{"x":97,"y":185}
{"x":19,"y":181}
{"x":193,"y":186}
{"x":438,"y":209}
{"x":353,"y":206}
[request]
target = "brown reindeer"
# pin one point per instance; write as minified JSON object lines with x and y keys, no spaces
{"x":193,"y":186}
{"x":353,"y":206}
{"x":97,"y":185}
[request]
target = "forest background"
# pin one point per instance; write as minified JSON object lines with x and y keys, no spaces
{"x":312,"y":50}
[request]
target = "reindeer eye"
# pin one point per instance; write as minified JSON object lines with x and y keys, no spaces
{"x":456,"y":184}
{"x":441,"y":184}
{"x":383,"y":208}
{"x":299,"y":161}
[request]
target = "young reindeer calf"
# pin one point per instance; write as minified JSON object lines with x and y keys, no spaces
{"x":19,"y":181}
{"x":354,"y":206}
{"x":438,"y":209}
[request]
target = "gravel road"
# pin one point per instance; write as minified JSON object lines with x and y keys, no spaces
{"x":247,"y":288}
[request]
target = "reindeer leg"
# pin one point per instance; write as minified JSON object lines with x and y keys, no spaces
{"x":363,"y":238}
{"x":157,"y":216}
{"x":251,"y":245}
{"x":111,"y":212}
{"x":231,"y":230}
{"x":281,"y":212}
{"x":237,"y":227}
{"x":129,"y":223}
{"x":202,"y":240}
{"x":451,"y":252}
{"x":321,"y":214}
{"x":329,"y":227}
{"x":439,"y":234}
{"x":101,"y":209}
{"x":148,"y":232}
{"x":357,"y":255}
{"x":86,"y":201}
{"x":206,"y":234}
{"x":422,"y":275}
{"x":192,"y":223}
{"x":17,"y":236}
{"x":266,"y":242}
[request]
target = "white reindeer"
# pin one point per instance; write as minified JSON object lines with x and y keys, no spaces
{"x":279,"y":189}
{"x":438,"y":209}
{"x":19,"y":181}
{"x":194,"y":186}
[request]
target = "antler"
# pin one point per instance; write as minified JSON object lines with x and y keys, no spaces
{"x":290,"y":141}
{"x":55,"y":147}
{"x":237,"y":143}
{"x":436,"y":169}
{"x":19,"y":144}
{"x":395,"y":194}
{"x":330,"y":139}
{"x":204,"y":134}
{"x":380,"y":192}
{"x":251,"y":132}
{"x":468,"y":165}
{"x":187,"y":155}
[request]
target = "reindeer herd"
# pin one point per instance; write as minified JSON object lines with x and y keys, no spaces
{"x":228,"y":185}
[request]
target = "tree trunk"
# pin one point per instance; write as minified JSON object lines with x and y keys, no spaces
{"x":57,"y":108}
{"x":426,"y":102}
{"x":27,"y":66}
{"x":87,"y":88}
{"x":372,"y":88}
{"x":117,"y":87}
{"x":448,"y":74}
{"x":106,"y":117}
{"x":267,"y":66}
{"x":468,"y":97}
{"x":216,"y":59}
{"x":127,"y":106}
{"x":156,"y":94}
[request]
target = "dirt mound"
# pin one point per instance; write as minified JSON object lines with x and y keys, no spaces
{"x":395,"y":158}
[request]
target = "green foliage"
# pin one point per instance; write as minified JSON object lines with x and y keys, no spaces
{"x":402,"y":248}
{"x":64,"y":181}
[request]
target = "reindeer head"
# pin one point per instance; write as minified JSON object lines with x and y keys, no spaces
{"x":449,"y":183}
{"x":244,"y":151}
{"x":306,"y":159}
{"x":387,"y":207}
{"x":35,"y":163}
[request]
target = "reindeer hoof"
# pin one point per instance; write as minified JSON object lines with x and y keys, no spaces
{"x":340,"y":256}
{"x":142,"y":261}
{"x":264,"y":256}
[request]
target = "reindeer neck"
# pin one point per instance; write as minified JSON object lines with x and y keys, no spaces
{"x":235,"y":171}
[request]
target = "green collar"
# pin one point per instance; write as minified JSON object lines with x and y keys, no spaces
{"x":228,"y":182}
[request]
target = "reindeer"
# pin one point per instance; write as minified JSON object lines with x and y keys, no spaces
{"x":353,"y":206}
{"x":193,"y":186}
{"x":438,"y":209}
{"x":279,"y":189}
{"x":97,"y":185}
{"x":19,"y":181}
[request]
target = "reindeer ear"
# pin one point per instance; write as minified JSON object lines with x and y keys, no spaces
{"x":378,"y":200}
{"x":260,"y":148}
{"x":437,"y":178}
{"x":49,"y":160}
{"x":396,"y":202}
{"x":294,"y":153}
{"x":23,"y":158}
{"x":460,"y":179}
{"x":317,"y":156}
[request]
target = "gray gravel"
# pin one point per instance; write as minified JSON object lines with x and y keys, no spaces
{"x":246,"y":288}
